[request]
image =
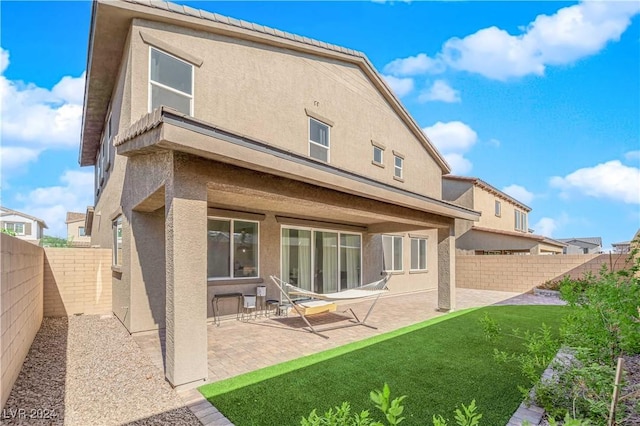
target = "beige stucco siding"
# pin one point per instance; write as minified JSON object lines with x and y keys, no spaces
{"x":484,"y":201}
{"x":262,"y":92}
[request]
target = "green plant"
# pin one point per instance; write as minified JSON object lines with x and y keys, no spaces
{"x":49,"y":241}
{"x":8,"y":232}
{"x":392,"y":410}
{"x":467,"y":416}
{"x":570,"y":421}
{"x":340,"y":417}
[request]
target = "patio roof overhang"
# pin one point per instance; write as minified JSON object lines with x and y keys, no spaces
{"x":166,"y":129}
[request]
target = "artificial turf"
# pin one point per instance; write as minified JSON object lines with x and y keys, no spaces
{"x":437,"y":364}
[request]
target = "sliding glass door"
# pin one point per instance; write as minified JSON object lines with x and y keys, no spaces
{"x":322,"y":261}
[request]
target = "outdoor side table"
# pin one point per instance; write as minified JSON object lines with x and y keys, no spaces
{"x":214,"y":305}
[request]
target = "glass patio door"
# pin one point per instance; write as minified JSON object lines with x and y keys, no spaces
{"x":321,"y":261}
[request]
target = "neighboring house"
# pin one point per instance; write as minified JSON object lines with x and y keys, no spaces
{"x":273,"y":154}
{"x":503,"y":227}
{"x":24,"y":226}
{"x":586,"y":245}
{"x":76,"y":230}
{"x":623,"y":247}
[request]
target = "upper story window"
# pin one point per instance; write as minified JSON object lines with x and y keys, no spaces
{"x":81,"y":231}
{"x":398,"y":170}
{"x":498,"y":208}
{"x":16,"y":227}
{"x":318,"y":140}
{"x":392,"y":253}
{"x":170,"y":82}
{"x":378,"y":155}
{"x":520,"y":221}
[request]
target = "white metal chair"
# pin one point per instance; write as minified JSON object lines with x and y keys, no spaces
{"x":248,"y":304}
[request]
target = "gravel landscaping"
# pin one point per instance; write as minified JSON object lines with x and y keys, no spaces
{"x":87,"y":370}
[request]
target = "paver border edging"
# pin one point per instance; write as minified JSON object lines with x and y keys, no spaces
{"x":530,"y":411}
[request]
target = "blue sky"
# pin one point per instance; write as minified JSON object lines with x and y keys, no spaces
{"x":540,"y":99}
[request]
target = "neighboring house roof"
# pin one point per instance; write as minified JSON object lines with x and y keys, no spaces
{"x":101,"y":74}
{"x":587,"y":241}
{"x":75,"y":217}
{"x":540,"y":238}
{"x":6,"y":212}
{"x":623,"y":243}
{"x":492,"y":189}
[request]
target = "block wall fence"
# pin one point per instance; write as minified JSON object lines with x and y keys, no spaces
{"x":523,"y":273}
{"x":50,"y":282}
{"x":77,"y":281}
{"x":21,"y":298}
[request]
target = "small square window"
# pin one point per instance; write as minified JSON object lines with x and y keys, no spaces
{"x":392,"y":253}
{"x":81,"y":231}
{"x":378,"y":155}
{"x":399,"y":164}
{"x":418,"y":254}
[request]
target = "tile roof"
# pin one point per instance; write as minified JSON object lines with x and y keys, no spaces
{"x":484,"y":185}
{"x":215,"y":17}
{"x":6,"y":211}
{"x":74,"y":217}
{"x":534,"y":237}
{"x":589,"y":240}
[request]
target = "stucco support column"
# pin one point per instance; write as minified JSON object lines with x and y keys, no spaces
{"x":186,"y":272}
{"x":446,"y":269}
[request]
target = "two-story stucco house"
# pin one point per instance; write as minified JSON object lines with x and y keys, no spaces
{"x":503,"y":227}
{"x":226,"y":152}
{"x":76,"y":234}
{"x":25,"y":227}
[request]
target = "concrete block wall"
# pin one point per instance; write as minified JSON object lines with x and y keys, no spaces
{"x":21,"y":306}
{"x":523,"y":273}
{"x":77,"y":281}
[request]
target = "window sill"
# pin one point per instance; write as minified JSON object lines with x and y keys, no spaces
{"x":398,"y":179}
{"x":418,"y":271}
{"x":377,"y":164}
{"x":232,"y":281}
{"x":116,"y":268}
{"x":392,"y":272}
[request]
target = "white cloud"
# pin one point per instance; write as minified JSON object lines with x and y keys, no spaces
{"x":548,"y":226}
{"x":545,"y":226}
{"x":459,"y":164}
{"x":37,"y":116}
{"x":53,"y":202}
{"x":4,"y":60}
{"x":414,"y":65}
{"x":570,"y":34}
{"x":611,"y":180}
{"x":400,"y":86}
{"x":454,"y":136}
{"x":494,"y":143}
{"x":453,"y":139}
{"x":518,"y":192}
{"x":632,"y":156}
{"x":15,"y":157}
{"x":440,"y":91}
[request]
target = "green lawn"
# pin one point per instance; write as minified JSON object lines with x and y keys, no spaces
{"x":437,"y":364}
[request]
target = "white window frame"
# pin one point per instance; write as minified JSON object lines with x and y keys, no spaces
{"x":313,"y":248}
{"x":328,"y":147}
{"x":116,"y":226}
{"x":397,"y":168}
{"x":498,"y":208}
{"x":426,"y":250}
{"x":520,"y":221}
{"x":12,"y":227}
{"x":232,"y":249}
{"x":393,"y":254}
{"x":151,"y":82}
{"x":83,"y":233}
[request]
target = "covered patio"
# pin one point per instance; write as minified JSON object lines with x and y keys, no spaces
{"x":238,"y":347}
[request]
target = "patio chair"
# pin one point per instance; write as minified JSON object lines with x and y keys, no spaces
{"x":371,"y":290}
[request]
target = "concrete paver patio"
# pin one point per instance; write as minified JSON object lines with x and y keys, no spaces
{"x":238,"y":347}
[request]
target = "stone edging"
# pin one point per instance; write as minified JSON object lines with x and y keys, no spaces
{"x":545,"y":292}
{"x":202,"y":408}
{"x":529,"y":411}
